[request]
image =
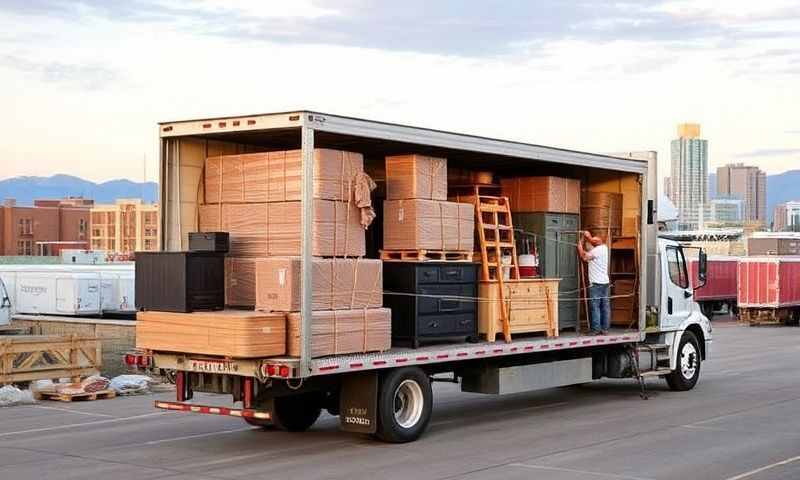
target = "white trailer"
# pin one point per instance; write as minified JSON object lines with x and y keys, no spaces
{"x":389,"y":394}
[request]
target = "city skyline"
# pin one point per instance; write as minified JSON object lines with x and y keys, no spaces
{"x":98,"y":76}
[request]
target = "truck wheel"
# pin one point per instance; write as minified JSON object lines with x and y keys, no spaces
{"x":259,"y":422}
{"x":685,"y":376}
{"x":405,"y":402}
{"x":296,"y":413}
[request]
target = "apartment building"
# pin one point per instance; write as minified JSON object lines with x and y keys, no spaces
{"x":748,"y":183}
{"x":127,"y":226}
{"x":44,"y":228}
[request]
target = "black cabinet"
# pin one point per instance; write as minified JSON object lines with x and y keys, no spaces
{"x":431,"y":301}
{"x":209,"y":242}
{"x":180,"y":281}
{"x":557,"y":241}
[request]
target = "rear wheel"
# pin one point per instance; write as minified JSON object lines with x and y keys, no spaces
{"x":296,"y":413}
{"x":687,"y":371}
{"x":259,"y":422}
{"x":405,"y":402}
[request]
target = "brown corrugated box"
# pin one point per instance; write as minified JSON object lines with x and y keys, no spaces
{"x":338,"y":283}
{"x":428,"y":224}
{"x":542,"y":194}
{"x":240,"y":282}
{"x":335,"y":332}
{"x":230,"y":333}
{"x":416,"y":176}
{"x":276,"y":176}
{"x":273,"y":229}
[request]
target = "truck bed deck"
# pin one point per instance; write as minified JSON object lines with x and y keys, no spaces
{"x":441,"y":353}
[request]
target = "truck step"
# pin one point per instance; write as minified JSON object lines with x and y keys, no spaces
{"x":656,"y":373}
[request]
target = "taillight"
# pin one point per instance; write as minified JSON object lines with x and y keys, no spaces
{"x":283,"y":371}
{"x":271,"y":370}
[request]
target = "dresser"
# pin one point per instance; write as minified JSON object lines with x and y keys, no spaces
{"x":431,"y":301}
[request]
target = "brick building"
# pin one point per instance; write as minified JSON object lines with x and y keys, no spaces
{"x":44,"y":228}
{"x":126,"y":226}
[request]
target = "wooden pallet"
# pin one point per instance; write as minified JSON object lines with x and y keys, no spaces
{"x":25,"y":358}
{"x":426,"y":255}
{"x":72,"y":397}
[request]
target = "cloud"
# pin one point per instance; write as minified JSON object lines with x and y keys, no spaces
{"x":770,"y":152}
{"x":83,"y":77}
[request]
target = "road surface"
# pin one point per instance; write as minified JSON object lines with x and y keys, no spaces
{"x":742,"y":422}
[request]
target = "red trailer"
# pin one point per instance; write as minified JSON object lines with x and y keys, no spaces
{"x":720,"y":287}
{"x":769,"y":289}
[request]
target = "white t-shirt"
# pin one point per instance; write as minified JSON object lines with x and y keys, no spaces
{"x":598,"y":264}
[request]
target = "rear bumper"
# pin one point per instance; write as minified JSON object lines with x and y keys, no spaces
{"x":210,"y":410}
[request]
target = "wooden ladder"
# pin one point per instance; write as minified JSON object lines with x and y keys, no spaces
{"x":496,"y":240}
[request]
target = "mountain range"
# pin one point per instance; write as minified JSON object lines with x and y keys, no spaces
{"x":27,"y":189}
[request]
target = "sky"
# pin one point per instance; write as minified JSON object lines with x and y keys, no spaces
{"x":83,"y":83}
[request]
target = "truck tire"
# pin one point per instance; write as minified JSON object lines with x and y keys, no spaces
{"x":687,"y":371}
{"x":405,"y":403}
{"x":296,"y":413}
{"x":259,"y":422}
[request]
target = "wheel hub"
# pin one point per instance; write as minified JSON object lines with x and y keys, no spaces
{"x":408,"y":403}
{"x":688,"y":360}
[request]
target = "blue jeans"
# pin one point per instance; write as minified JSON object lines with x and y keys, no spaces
{"x":601,"y":306}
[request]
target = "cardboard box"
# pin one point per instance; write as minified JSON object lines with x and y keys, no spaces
{"x":336,"y":332}
{"x":428,"y":225}
{"x":542,"y":194}
{"x":273,"y":229}
{"x":229,"y":333}
{"x":240,"y":282}
{"x":338,"y":283}
{"x":416,"y":176}
{"x":277,"y":176}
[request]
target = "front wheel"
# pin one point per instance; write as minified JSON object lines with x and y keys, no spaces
{"x":687,"y":371}
{"x":405,"y":402}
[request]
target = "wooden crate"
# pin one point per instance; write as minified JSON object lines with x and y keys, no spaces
{"x":532,"y":303}
{"x":26,"y":358}
{"x":230,"y":333}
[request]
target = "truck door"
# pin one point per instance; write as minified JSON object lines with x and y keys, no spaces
{"x":677,"y":298}
{"x":5,"y":305}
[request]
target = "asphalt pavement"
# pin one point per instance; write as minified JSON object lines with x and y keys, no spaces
{"x":742,"y":421}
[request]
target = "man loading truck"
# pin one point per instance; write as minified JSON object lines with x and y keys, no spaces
{"x":597,"y":261}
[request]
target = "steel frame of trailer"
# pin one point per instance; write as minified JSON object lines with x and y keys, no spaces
{"x":310,"y":122}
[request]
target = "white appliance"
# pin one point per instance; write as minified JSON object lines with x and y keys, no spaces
{"x":58,"y":293}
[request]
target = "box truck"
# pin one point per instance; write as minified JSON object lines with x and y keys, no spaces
{"x":388,"y":394}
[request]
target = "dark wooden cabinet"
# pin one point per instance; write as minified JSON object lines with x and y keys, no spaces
{"x":209,"y":242}
{"x":180,"y":281}
{"x":431,"y":301}
{"x":557,"y":239}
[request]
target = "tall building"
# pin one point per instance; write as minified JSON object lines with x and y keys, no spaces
{"x":747,"y":183}
{"x":779,"y":218}
{"x":45,"y":228}
{"x":689,"y":175}
{"x":725,"y":211}
{"x":125,"y":226}
{"x":786,"y":217}
{"x":668,"y":187}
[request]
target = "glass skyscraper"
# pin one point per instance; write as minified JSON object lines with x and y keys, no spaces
{"x":689,"y":175}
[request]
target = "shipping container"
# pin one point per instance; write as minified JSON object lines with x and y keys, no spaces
{"x":720,"y":288}
{"x":388,"y":393}
{"x":58,"y":293}
{"x":769,"y":289}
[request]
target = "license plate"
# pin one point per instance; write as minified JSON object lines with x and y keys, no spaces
{"x":213,"y":366}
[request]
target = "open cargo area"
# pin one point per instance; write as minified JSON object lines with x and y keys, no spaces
{"x":404,"y":196}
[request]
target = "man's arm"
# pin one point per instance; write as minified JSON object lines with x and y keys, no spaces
{"x":585,"y":256}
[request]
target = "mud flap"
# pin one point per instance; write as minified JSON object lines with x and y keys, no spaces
{"x":358,"y":403}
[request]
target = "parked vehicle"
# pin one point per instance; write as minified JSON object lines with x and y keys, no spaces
{"x":389,"y":394}
{"x":769,"y":291}
{"x":720,"y":289}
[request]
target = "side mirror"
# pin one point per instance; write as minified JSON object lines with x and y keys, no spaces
{"x":702,"y":268}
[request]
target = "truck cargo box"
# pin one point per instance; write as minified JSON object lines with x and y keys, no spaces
{"x":769,"y":282}
{"x":721,"y":273}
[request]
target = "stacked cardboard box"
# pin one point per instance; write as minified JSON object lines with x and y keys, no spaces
{"x":417,"y":215}
{"x":256,"y":198}
{"x":542,"y":194}
{"x":342,"y":331}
